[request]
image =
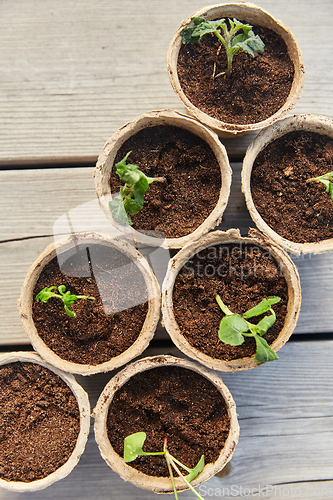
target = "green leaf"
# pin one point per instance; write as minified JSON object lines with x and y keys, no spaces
{"x":132,"y":206}
{"x":196,"y":470}
{"x":236,"y":25}
{"x":45,"y":294}
{"x":252,"y":45}
{"x":139,"y":196}
{"x":264,"y":352}
{"x":118,"y":211}
{"x":256,"y":43}
{"x":127,"y":172}
{"x":61,"y":289}
{"x":266,"y":323}
{"x":326,"y":184}
{"x":131,"y":175}
{"x":238,"y":39}
{"x":69,"y":298}
{"x":70,"y":313}
{"x":231,"y":329}
{"x":262,"y":307}
{"x":325,"y":179}
{"x":133,"y":446}
{"x":201,"y":28}
{"x":244,"y":46}
{"x":122,"y":163}
{"x":140,"y":189}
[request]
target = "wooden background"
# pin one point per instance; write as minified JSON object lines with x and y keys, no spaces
{"x":71,"y":73}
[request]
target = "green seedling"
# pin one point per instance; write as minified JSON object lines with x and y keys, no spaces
{"x":327,"y":180}
{"x":237,"y":37}
{"x":130,"y":199}
{"x":67,"y":297}
{"x":234,"y":327}
{"x":133,"y":445}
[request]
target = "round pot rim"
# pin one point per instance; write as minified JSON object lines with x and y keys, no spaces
{"x":310,"y":122}
{"x":219,"y":237}
{"x":84,"y":408}
{"x":128,"y":473}
{"x":148,"y":329}
{"x":226,"y":129}
{"x":105,"y":162}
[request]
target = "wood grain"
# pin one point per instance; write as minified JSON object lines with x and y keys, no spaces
{"x":74,"y":72}
{"x":71,"y":74}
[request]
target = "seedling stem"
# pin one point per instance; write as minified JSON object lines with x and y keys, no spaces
{"x":133,"y":448}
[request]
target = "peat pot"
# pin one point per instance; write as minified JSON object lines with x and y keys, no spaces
{"x":167,"y":398}
{"x":115,"y":319}
{"x":45,"y":422}
{"x":279,"y":174}
{"x":195,"y":178}
{"x":242,"y":271}
{"x":259,"y":90}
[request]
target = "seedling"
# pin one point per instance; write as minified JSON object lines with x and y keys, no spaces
{"x":234,"y":327}
{"x":130,"y":199}
{"x":237,"y":37}
{"x":327,"y":180}
{"x":67,"y":297}
{"x":133,"y":445}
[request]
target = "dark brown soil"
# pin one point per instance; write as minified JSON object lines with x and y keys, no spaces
{"x":178,"y":206}
{"x":242,"y":276}
{"x":296,"y":210}
{"x":257,"y":88}
{"x":170,"y":402}
{"x":39,"y":422}
{"x":103,"y":328}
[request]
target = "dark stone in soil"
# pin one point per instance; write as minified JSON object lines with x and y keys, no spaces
{"x":39,"y":422}
{"x":242,"y":275}
{"x":103,"y":328}
{"x":178,"y":206}
{"x":170,"y":402}
{"x":298,"y":211}
{"x":257,"y":88}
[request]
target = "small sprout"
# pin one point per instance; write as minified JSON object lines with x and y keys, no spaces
{"x":67,"y":297}
{"x":133,"y":445}
{"x":327,"y":180}
{"x":234,"y":327}
{"x":131,"y":197}
{"x":231,"y":39}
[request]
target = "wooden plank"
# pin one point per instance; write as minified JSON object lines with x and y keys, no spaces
{"x":32,"y":201}
{"x":284,"y":450}
{"x":73,"y":73}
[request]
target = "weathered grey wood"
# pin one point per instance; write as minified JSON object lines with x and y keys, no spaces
{"x":32,"y":201}
{"x":285,"y":413}
{"x":73,"y":72}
